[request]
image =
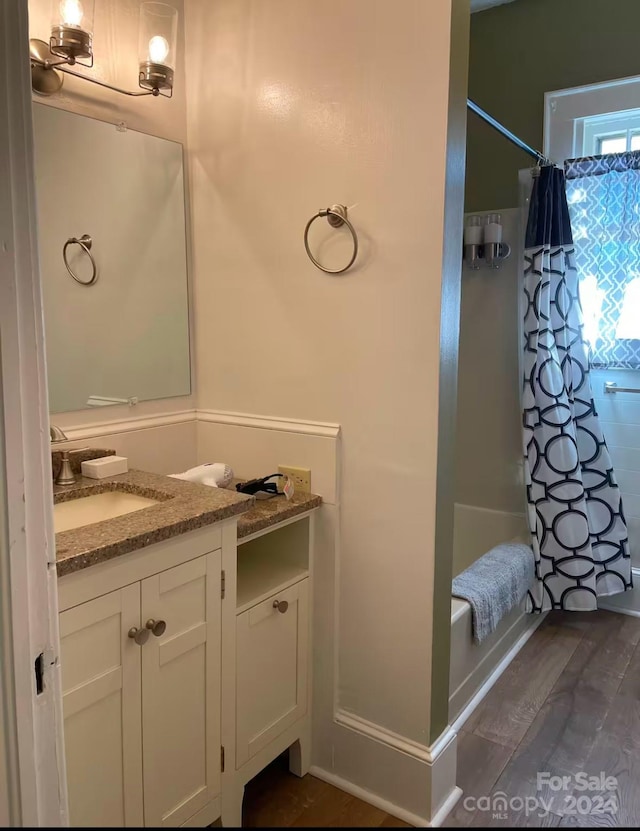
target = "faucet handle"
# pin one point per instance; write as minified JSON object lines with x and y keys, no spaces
{"x":56,"y":434}
{"x":66,"y":475}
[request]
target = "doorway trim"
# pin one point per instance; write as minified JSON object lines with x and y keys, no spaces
{"x":33,"y":720}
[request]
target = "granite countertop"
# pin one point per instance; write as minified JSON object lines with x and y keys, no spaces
{"x":267,"y":512}
{"x":182,"y":507}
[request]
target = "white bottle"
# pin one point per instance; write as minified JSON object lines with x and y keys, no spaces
{"x":493,"y":228}
{"x":473,"y":230}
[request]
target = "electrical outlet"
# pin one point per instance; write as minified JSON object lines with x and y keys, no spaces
{"x":300,"y":476}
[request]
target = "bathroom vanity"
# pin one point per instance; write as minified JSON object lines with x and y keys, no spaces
{"x":184,"y":610}
{"x":185,"y":637}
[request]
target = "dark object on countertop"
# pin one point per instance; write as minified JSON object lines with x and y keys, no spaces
{"x":258,"y":487}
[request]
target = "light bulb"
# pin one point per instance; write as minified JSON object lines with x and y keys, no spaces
{"x":71,"y":12}
{"x":158,"y":49}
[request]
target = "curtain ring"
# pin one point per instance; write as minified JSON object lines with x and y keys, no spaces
{"x":336,"y":217}
{"x":85,"y":242}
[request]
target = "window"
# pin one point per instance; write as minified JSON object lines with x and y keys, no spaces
{"x":576,"y":119}
{"x":609,"y":133}
{"x":611,"y":144}
{"x":599,"y":128}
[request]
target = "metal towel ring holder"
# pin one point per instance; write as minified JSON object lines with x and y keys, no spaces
{"x":336,"y":217}
{"x":85,"y":242}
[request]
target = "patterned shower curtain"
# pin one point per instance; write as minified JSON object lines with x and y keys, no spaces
{"x":603,"y":193}
{"x":574,"y":506}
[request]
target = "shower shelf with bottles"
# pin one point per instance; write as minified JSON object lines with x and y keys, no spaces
{"x":483,"y":245}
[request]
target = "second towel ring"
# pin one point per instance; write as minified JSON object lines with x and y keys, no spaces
{"x":85,"y":242}
{"x":336,"y":217}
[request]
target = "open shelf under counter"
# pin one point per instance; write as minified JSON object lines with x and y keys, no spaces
{"x":272,"y":561}
{"x":268,"y":515}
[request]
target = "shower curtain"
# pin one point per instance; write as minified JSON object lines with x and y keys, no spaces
{"x":603,"y":193}
{"x":575,"y":510}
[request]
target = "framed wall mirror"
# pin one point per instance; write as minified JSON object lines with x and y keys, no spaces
{"x":113,"y":258}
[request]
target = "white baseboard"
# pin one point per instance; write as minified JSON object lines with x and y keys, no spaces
{"x":621,"y":610}
{"x":425,"y":753}
{"x":443,"y":812}
{"x":491,"y":679}
{"x":384,"y":804}
{"x":410,"y":780}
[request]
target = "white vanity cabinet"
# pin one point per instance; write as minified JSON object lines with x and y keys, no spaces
{"x":142,"y":711}
{"x":185,"y":671}
{"x":272,"y":690}
{"x":271,"y":672}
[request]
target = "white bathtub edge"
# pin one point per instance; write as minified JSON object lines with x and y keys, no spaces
{"x":458,"y":608}
{"x":531,"y":624}
{"x":625,"y":603}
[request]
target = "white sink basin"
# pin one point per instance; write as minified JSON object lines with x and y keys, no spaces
{"x":94,"y":508}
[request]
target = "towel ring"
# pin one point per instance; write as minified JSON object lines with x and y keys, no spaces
{"x":85,"y":242}
{"x":336,"y":217}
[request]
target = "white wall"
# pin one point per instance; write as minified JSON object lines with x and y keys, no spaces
{"x":116,"y":62}
{"x":293,"y":106}
{"x":488,"y":427}
{"x":477,"y":530}
{"x":167,"y":444}
{"x":620,"y":418}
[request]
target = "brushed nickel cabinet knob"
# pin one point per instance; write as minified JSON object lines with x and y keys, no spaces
{"x":158,"y":627}
{"x":140,"y":636}
{"x":281,"y":605}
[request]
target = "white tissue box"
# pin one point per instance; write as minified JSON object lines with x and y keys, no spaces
{"x":107,"y":466}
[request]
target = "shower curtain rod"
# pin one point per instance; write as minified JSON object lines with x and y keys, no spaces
{"x":539,"y":157}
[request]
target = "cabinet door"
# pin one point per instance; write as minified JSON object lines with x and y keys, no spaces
{"x":101,"y":704}
{"x":271,"y":669}
{"x":181,"y":691}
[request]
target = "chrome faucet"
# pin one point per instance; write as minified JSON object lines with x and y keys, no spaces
{"x":56,"y":434}
{"x":65,"y":475}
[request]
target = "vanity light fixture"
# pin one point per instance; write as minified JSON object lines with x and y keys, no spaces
{"x":71,"y":43}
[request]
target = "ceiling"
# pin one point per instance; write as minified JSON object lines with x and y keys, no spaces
{"x":480,"y":5}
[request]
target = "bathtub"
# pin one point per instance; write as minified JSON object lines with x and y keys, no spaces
{"x":476,"y":667}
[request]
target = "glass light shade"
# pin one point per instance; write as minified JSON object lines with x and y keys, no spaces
{"x":158,"y":33}
{"x":157,"y":41}
{"x":75,"y":13}
{"x":72,"y":29}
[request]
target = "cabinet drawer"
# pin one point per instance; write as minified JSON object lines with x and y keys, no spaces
{"x":83,"y":585}
{"x":271,"y":668}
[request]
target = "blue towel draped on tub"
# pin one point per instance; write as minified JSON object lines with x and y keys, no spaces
{"x":495,"y":584}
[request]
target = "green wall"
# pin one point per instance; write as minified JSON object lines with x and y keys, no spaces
{"x":518,"y":52}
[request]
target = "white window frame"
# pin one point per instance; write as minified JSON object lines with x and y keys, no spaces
{"x":31,"y":745}
{"x":595,"y":129}
{"x":574,"y":118}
